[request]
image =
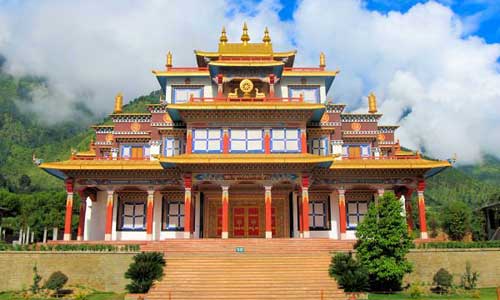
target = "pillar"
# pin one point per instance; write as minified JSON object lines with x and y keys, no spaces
{"x":342,"y":214}
{"x":220,"y":81}
{"x":225,"y":141}
{"x":421,"y":209}
{"x":272,"y":79}
{"x":81,"y":221}
{"x":187,"y":206}
{"x":269,"y":217}
{"x":299,"y":212}
{"x":409,"y":210}
{"x":380,"y":192}
{"x":225,"y":211}
{"x":150,"y":207}
{"x":69,"y":209}
{"x":189,"y":141}
{"x":303,"y":139}
{"x":267,"y":141}
{"x":109,"y":215}
{"x":305,"y":206}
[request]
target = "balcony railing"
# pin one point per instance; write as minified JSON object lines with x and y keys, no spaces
{"x":382,"y":157}
{"x":246,"y":99}
{"x":299,"y":69}
{"x":186,"y":69}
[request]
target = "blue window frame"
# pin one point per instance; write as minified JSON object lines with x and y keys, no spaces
{"x":309,"y":93}
{"x":127,"y":151}
{"x":207,"y":140}
{"x":356,"y":211}
{"x":319,"y":214}
{"x":172,"y":146}
{"x":318,"y":146}
{"x":181,"y":94}
{"x":285,"y":140}
{"x":132,"y":215}
{"x":246,"y":140}
{"x":173,"y":214}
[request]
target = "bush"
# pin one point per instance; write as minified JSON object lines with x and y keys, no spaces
{"x":56,"y":281}
{"x":416,"y":290}
{"x":443,"y":281}
{"x":146,"y":268}
{"x":456,"y":219}
{"x":35,"y":287}
{"x":462,"y":245}
{"x":383,"y":242}
{"x":349,"y":273}
{"x":469,"y":278}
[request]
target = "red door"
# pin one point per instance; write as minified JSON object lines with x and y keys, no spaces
{"x":246,"y":222}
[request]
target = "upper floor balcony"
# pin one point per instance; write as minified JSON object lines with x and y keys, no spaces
{"x":235,"y":98}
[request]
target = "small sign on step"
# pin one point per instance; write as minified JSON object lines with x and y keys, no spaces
{"x":240,"y":249}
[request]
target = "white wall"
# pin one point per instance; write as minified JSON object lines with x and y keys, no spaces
{"x":286,"y":81}
{"x":95,"y":218}
{"x":208,"y":90}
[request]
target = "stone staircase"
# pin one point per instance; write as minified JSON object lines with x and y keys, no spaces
{"x":266,"y":269}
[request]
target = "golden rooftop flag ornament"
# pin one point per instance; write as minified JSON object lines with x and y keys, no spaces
{"x":169,"y":59}
{"x":266,"y":39}
{"x":322,"y":60}
{"x":118,"y":103}
{"x":223,"y":36}
{"x":372,"y":103}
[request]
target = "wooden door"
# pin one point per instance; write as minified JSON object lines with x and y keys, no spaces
{"x":137,"y":153}
{"x":246,"y":222}
{"x":354,"y":151}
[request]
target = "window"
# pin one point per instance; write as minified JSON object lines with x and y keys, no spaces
{"x":173,"y":214}
{"x":246,"y":140}
{"x":319,"y":214}
{"x":285,"y":140}
{"x":132,"y":214}
{"x":172,"y":146}
{"x":135,"y":151}
{"x":356,"y":211}
{"x":356,"y":151}
{"x":207,"y":140}
{"x":309,"y":93}
{"x":181,"y":94}
{"x":318,"y":146}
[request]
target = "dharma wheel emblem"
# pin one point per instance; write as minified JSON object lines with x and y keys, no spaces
{"x":109,"y":137}
{"x":135,"y":126}
{"x":246,"y":86}
{"x":166,"y":118}
{"x":381,"y":137}
{"x":356,"y":126}
{"x":325,"y":118}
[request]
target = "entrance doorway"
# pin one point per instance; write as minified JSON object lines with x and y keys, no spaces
{"x":246,"y":222}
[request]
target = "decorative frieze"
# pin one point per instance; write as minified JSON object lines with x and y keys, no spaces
{"x":360,"y":117}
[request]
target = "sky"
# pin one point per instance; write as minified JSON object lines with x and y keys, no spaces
{"x":434,"y":65}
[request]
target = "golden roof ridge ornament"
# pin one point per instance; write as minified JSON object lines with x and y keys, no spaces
{"x":245,"y":38}
{"x":223,"y":36}
{"x":322,"y":60}
{"x":169,"y":60}
{"x":372,"y":103}
{"x":266,"y":39}
{"x":118,"y":103}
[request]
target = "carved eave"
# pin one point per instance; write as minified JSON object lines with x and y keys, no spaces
{"x":354,"y":117}
{"x":335,"y":107}
{"x":387,"y":128}
{"x":131,"y":117}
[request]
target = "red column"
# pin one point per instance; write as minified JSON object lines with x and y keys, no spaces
{"x":81,"y":222}
{"x":342,"y":214}
{"x":187,"y":206}
{"x":69,"y":209}
{"x":271,"y":85}
{"x":305,"y":206}
{"x":189,"y":141}
{"x":303,"y":140}
{"x":225,"y":141}
{"x":220,"y":81}
{"x":269,"y":220}
{"x":421,"y":209}
{"x":409,"y":210}
{"x":109,"y":215}
{"x":225,"y":211}
{"x":267,"y":142}
{"x":150,"y":214}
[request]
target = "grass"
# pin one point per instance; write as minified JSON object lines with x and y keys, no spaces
{"x":486,"y":294}
{"x":93,"y":296}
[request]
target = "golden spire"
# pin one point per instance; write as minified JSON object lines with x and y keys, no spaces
{"x":372,"y":103}
{"x":169,"y":59}
{"x":245,"y":37}
{"x":223,"y":36}
{"x":322,"y":60}
{"x":118,"y":103}
{"x":267,"y":38}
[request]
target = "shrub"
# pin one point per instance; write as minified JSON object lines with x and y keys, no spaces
{"x":464,"y":245}
{"x":456,"y":218}
{"x":35,"y":287}
{"x":383,"y":244}
{"x":469,"y":278}
{"x":416,"y":290}
{"x":349,"y":273}
{"x":56,"y":281}
{"x":443,"y":280}
{"x":147,"y":267}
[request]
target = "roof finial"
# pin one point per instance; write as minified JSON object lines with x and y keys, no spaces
{"x":223,"y":36}
{"x":267,"y":38}
{"x":245,"y":37}
{"x":372,"y":103}
{"x":169,"y":60}
{"x":118,"y":103}
{"x":322,"y":60}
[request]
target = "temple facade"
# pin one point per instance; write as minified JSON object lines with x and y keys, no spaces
{"x":245,"y":145}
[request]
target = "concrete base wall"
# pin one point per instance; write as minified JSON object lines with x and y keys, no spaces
{"x":427,"y":262}
{"x":102,"y":271}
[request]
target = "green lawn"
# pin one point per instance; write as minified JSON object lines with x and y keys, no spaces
{"x":94,"y":296}
{"x":486,"y":294}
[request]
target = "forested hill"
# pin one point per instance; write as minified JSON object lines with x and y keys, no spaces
{"x":21,"y":135}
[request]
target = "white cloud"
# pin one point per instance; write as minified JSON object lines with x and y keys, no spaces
{"x":416,"y":61}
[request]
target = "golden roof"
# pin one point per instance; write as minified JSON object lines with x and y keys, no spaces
{"x":305,"y":72}
{"x":181,"y":73}
{"x":246,"y":63}
{"x":82,"y":164}
{"x":388,"y":164}
{"x":247,"y":158}
{"x":246,"y":105}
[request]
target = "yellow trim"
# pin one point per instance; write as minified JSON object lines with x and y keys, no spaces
{"x":103,"y":165}
{"x":129,"y":114}
{"x":240,"y":158}
{"x":237,"y":63}
{"x":217,"y":54}
{"x":103,"y":126}
{"x":404,"y":153}
{"x":388,"y":164}
{"x":310,"y":73}
{"x":245,"y":106}
{"x":180,"y":74}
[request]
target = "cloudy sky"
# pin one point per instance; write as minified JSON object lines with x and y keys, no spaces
{"x":434,"y":66}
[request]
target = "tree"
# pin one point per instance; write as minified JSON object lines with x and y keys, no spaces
{"x":146,"y":268}
{"x":383,"y":244}
{"x":349,"y":273}
{"x":456,"y":220}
